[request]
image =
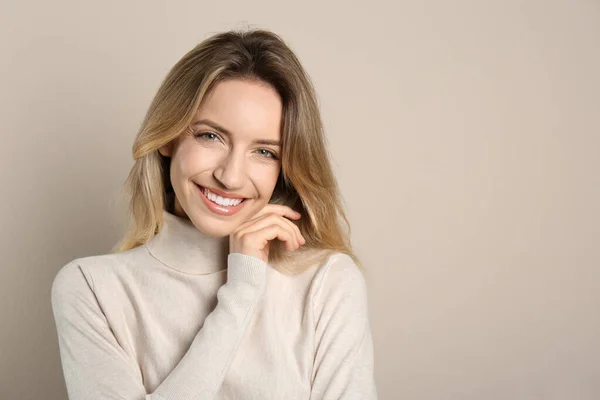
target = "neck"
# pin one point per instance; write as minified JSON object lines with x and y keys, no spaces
{"x":181,"y":246}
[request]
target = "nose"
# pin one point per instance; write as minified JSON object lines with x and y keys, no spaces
{"x":230,"y":171}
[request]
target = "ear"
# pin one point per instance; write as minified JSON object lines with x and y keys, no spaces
{"x":166,"y":150}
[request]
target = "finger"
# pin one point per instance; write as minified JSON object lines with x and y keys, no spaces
{"x":267,"y":233}
{"x":269,"y":220}
{"x":279,"y":209}
{"x":295,"y":227}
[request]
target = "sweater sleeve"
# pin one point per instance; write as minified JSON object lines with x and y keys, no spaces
{"x":344,"y":363}
{"x":95,"y":366}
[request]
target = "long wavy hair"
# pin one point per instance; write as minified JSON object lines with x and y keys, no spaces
{"x":306,"y":182}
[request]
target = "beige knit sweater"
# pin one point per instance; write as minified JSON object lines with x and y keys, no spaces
{"x":170,"y":321}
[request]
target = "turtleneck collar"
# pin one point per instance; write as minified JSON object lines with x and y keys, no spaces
{"x":181,"y":246}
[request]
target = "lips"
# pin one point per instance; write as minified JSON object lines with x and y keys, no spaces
{"x":217,"y":208}
{"x":202,"y":188}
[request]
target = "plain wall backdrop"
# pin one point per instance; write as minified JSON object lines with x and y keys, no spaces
{"x":465,"y":136}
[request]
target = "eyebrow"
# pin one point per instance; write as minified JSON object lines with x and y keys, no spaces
{"x":218,"y":127}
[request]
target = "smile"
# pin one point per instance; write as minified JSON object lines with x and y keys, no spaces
{"x":218,"y":204}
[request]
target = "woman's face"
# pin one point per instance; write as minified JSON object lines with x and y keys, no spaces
{"x":232,"y":147}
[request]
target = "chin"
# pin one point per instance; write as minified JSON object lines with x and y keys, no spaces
{"x":211,"y":228}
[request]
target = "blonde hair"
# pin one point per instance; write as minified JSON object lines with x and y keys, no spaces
{"x":306,"y":182}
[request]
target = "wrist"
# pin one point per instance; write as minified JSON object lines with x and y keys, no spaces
{"x":247,"y":268}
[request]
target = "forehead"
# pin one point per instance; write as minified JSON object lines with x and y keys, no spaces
{"x":245,"y":108}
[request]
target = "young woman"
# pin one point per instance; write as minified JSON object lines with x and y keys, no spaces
{"x":235,"y":279}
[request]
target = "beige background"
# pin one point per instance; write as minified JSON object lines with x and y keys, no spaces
{"x":465,"y":134}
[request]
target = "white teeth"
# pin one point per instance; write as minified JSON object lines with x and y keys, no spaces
{"x":220,"y":200}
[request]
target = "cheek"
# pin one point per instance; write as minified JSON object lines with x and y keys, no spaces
{"x":265,"y":179}
{"x":193,"y":161}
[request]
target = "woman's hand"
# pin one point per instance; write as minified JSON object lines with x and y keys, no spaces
{"x":253,"y":236}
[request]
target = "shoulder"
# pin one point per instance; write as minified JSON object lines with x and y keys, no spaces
{"x":339,"y":271}
{"x":80,"y":277}
{"x":339,"y":278}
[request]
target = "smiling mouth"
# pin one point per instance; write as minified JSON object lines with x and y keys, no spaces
{"x":220,"y":200}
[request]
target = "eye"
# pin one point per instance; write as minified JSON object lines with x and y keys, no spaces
{"x":210,"y":136}
{"x":268,"y":154}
